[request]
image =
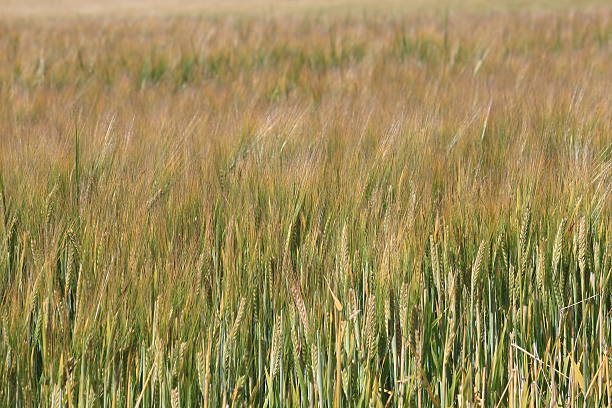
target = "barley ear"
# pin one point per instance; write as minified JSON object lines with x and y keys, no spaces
{"x":370,"y":327}
{"x":582,"y":245}
{"x":404,"y":310}
{"x":176,"y":398}
{"x":276,"y":347}
{"x":238,"y":321}
{"x":476,"y":267}
{"x":298,"y":300}
{"x":541,"y":272}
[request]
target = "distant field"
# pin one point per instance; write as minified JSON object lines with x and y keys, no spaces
{"x":63,"y":8}
{"x":278,"y":204}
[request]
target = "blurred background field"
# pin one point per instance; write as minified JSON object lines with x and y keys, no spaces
{"x":63,"y":8}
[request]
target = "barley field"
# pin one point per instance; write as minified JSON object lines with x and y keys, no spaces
{"x":306,"y":206}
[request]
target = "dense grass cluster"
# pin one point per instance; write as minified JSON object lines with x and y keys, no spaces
{"x":307,"y":211}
